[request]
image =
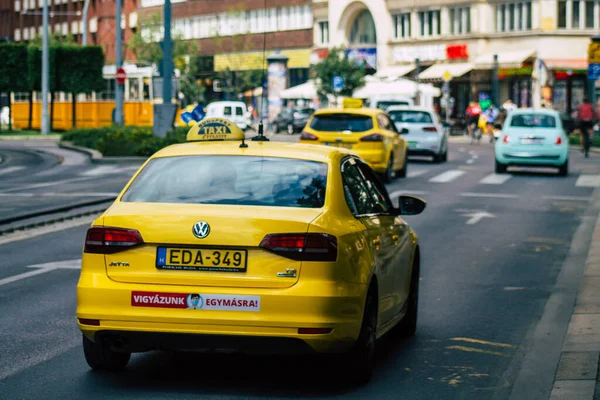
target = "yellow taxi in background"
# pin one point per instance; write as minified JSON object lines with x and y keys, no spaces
{"x":250,"y":246}
{"x":367,"y":131}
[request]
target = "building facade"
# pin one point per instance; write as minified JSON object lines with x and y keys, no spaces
{"x":66,"y":18}
{"x":461,"y":38}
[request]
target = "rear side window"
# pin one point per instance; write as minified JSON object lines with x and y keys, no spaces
{"x":533,"y":121}
{"x":239,"y":111}
{"x":342,"y":122}
{"x":384,"y":105}
{"x":358,"y":197}
{"x":232,"y":180}
{"x":227,"y":111}
{"x":411,"y":117}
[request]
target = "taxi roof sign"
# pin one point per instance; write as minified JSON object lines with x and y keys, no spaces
{"x":352,"y":103}
{"x":211,"y":129}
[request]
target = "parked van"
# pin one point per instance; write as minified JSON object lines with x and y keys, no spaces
{"x":383,"y":102}
{"x":235,"y":111}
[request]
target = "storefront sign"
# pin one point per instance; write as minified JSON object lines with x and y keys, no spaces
{"x":318,"y":55}
{"x":366,"y":56}
{"x":508,"y":72}
{"x":435,"y":52}
{"x":594,"y":53}
{"x":457,"y":51}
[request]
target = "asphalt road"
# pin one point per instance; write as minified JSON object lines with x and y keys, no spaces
{"x":492,"y":247}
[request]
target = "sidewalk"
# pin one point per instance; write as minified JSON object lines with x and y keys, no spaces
{"x":577,"y":373}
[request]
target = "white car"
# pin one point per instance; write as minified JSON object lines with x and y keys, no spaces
{"x":422,"y":129}
{"x":235,"y":111}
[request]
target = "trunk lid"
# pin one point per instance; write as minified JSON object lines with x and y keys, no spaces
{"x":173,"y":255}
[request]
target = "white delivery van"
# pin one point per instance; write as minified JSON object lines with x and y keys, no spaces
{"x":383,"y":102}
{"x":235,"y":111}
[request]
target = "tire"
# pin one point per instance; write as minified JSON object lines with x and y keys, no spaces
{"x":500,"y":168}
{"x":100,"y":358}
{"x":563,"y":170}
{"x":402,"y":172}
{"x":359,"y":362}
{"x":389,"y":173}
{"x":437,"y":158}
{"x":445,"y":156}
{"x":408,"y":326}
{"x":290,"y":129}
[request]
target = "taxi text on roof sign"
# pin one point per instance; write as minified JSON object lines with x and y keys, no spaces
{"x":352,"y":103}
{"x":210,"y":129}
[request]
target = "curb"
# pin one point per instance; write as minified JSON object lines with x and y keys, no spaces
{"x":94,"y":155}
{"x":30,"y":137}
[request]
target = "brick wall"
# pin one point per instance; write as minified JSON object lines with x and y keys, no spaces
{"x":274,"y":41}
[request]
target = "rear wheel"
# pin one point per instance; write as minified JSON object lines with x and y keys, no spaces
{"x":389,"y":173}
{"x":500,"y":168}
{"x":100,"y":357}
{"x":360,"y":361}
{"x":445,"y":156}
{"x":563,"y":170}
{"x":402,"y":172}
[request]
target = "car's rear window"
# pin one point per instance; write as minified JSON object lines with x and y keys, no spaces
{"x":411,"y":117}
{"x":239,"y":111}
{"x":533,"y":121}
{"x":342,"y":122}
{"x":384,"y":105}
{"x":233,"y":180}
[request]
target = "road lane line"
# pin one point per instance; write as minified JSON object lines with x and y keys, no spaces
{"x":10,"y":169}
{"x":476,"y":350}
{"x":60,"y":226}
{"x":24,"y":275}
{"x":414,"y":174}
{"x":447,"y":176}
{"x":588,"y":181}
{"x":568,"y":198}
{"x":497,"y":344}
{"x":495,"y":179}
{"x":490,"y":195}
{"x":42,"y":269}
{"x":45,"y":184}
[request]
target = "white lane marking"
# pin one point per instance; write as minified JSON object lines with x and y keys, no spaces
{"x":475,"y":215}
{"x":50,"y":194}
{"x":414,"y":174}
{"x":495,"y":179}
{"x":31,"y":233}
{"x":447,"y":176}
{"x":101,"y":170}
{"x":568,"y":198}
{"x":588,"y":181}
{"x":42,"y":269}
{"x":490,"y":195}
{"x":45,"y":184}
{"x":397,"y":193}
{"x":470,"y":161}
{"x":8,"y":170}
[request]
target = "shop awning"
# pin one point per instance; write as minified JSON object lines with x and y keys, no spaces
{"x":506,"y":59}
{"x":306,"y":90}
{"x":565,"y":64}
{"x":437,"y":71}
{"x":244,"y":61}
{"x":402,"y":87}
{"x":395,"y":72}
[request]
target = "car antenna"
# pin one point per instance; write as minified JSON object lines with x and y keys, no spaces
{"x":261,"y":135}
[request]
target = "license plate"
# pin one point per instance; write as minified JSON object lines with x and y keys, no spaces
{"x":412,"y":144}
{"x":191,"y":259}
{"x":532,"y":141}
{"x":339,"y":144}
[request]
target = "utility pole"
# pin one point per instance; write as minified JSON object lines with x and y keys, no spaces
{"x":118,"y":64}
{"x":45,"y":127}
{"x":418,"y":80}
{"x":495,"y":83}
{"x":167,"y":55}
{"x":84,"y":32}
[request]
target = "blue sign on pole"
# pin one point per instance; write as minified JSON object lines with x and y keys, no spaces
{"x":593,"y":71}
{"x":337,"y":83}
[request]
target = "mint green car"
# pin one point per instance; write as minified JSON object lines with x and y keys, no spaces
{"x":533,"y":137}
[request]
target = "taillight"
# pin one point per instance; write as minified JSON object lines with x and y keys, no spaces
{"x":558,"y":140}
{"x":100,"y":240}
{"x":302,"y":246}
{"x":505,"y":139}
{"x":376,"y":137}
{"x":308,"y":136}
{"x":430,"y":129}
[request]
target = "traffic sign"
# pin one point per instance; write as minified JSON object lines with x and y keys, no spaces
{"x":120,"y":76}
{"x":337,"y":83}
{"x":447,"y":77}
{"x":593,"y":71}
{"x":594,"y":53}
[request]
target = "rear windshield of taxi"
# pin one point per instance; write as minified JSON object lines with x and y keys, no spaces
{"x":533,"y":121}
{"x":411,"y":117}
{"x":342,"y":122}
{"x":231,"y":180}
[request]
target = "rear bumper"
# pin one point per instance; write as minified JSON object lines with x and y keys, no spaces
{"x":422,"y":152}
{"x":376,"y":159}
{"x":314,"y":304}
{"x":539,"y":157}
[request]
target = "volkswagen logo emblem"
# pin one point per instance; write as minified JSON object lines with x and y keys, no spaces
{"x":201,"y":229}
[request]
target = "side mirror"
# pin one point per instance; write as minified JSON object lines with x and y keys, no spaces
{"x":404,"y":131}
{"x":410,"y":205}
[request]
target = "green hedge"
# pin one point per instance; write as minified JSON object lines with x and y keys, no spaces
{"x":575,"y":139}
{"x":124,"y":141}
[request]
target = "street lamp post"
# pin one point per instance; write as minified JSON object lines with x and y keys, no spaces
{"x":495,"y":82}
{"x":167,"y":55}
{"x":84,"y":32}
{"x":45,"y":128}
{"x":118,"y":65}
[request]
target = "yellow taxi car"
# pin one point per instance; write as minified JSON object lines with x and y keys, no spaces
{"x":252,"y":246}
{"x":368,"y":132}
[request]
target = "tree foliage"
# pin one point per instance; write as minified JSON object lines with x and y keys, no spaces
{"x":79,"y":68}
{"x":13,"y":78}
{"x":337,"y":64}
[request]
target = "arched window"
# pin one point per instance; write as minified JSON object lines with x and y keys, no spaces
{"x":363,"y":29}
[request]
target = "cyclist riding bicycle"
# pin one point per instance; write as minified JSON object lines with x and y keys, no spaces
{"x":473,"y":113}
{"x":586,"y":116}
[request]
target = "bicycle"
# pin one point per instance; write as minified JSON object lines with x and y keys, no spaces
{"x":587,"y":142}
{"x":477,"y":133}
